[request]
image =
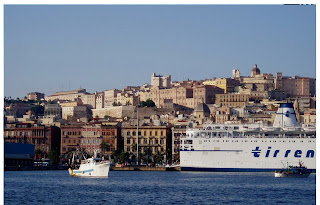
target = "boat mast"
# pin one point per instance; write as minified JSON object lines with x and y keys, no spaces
{"x":137,"y":94}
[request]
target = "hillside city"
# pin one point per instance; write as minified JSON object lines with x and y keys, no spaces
{"x":154,"y":115}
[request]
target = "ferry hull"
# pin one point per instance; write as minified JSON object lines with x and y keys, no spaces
{"x":202,"y":169}
{"x":247,"y":155}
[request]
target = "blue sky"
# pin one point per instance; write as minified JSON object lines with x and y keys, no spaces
{"x":99,"y":47}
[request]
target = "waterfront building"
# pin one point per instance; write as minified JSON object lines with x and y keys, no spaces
{"x":17,"y":154}
{"x":111,"y":138}
{"x":35,"y":96}
{"x":91,"y":138}
{"x":156,"y":139}
{"x":179,"y":129}
{"x":44,"y":138}
{"x":71,"y":136}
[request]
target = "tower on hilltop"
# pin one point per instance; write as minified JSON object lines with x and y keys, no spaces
{"x":160,"y":81}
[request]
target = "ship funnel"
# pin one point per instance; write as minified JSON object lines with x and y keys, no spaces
{"x":286,"y":116}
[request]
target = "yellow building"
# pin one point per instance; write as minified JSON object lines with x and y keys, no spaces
{"x":227,"y":84}
{"x":232,"y":100}
{"x":156,"y":138}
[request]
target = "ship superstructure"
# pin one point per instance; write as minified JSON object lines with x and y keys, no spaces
{"x":250,"y":147}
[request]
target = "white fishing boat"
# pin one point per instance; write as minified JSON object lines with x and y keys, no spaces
{"x":91,"y":167}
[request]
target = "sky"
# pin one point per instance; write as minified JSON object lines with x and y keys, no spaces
{"x":51,"y":48}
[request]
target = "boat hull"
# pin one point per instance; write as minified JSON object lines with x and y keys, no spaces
{"x":247,"y":155}
{"x":304,"y":175}
{"x":91,"y":170}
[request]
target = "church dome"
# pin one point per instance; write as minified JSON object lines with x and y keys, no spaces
{"x":202,"y":108}
{"x":255,"y":70}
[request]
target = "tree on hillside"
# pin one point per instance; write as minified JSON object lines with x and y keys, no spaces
{"x":38,"y":110}
{"x":147,"y":103}
{"x":150,"y":103}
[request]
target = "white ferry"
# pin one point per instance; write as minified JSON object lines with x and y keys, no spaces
{"x":250,"y":147}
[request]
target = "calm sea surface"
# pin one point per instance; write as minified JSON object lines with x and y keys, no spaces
{"x":57,"y":187}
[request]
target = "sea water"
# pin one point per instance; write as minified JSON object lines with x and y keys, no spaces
{"x":138,"y":187}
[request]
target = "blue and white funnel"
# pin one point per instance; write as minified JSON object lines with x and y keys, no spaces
{"x":286,"y":116}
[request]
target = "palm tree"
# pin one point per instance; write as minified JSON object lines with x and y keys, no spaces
{"x":104,"y":146}
{"x":134,"y":147}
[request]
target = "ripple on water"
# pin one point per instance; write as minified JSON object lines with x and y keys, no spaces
{"x":57,"y":187}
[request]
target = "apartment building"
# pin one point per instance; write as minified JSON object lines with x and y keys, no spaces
{"x":90,"y":137}
{"x":44,"y":138}
{"x":53,"y":109}
{"x":179,"y":129}
{"x":99,"y":100}
{"x":94,"y":135}
{"x":89,"y":99}
{"x":127,"y":99}
{"x":71,"y":136}
{"x":154,"y":138}
{"x":73,"y":110}
{"x":110,"y":97}
{"x":299,"y":86}
{"x":232,"y":99}
{"x":35,"y":96}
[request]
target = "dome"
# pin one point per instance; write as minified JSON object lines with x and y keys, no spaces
{"x":202,"y":108}
{"x":255,"y":70}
